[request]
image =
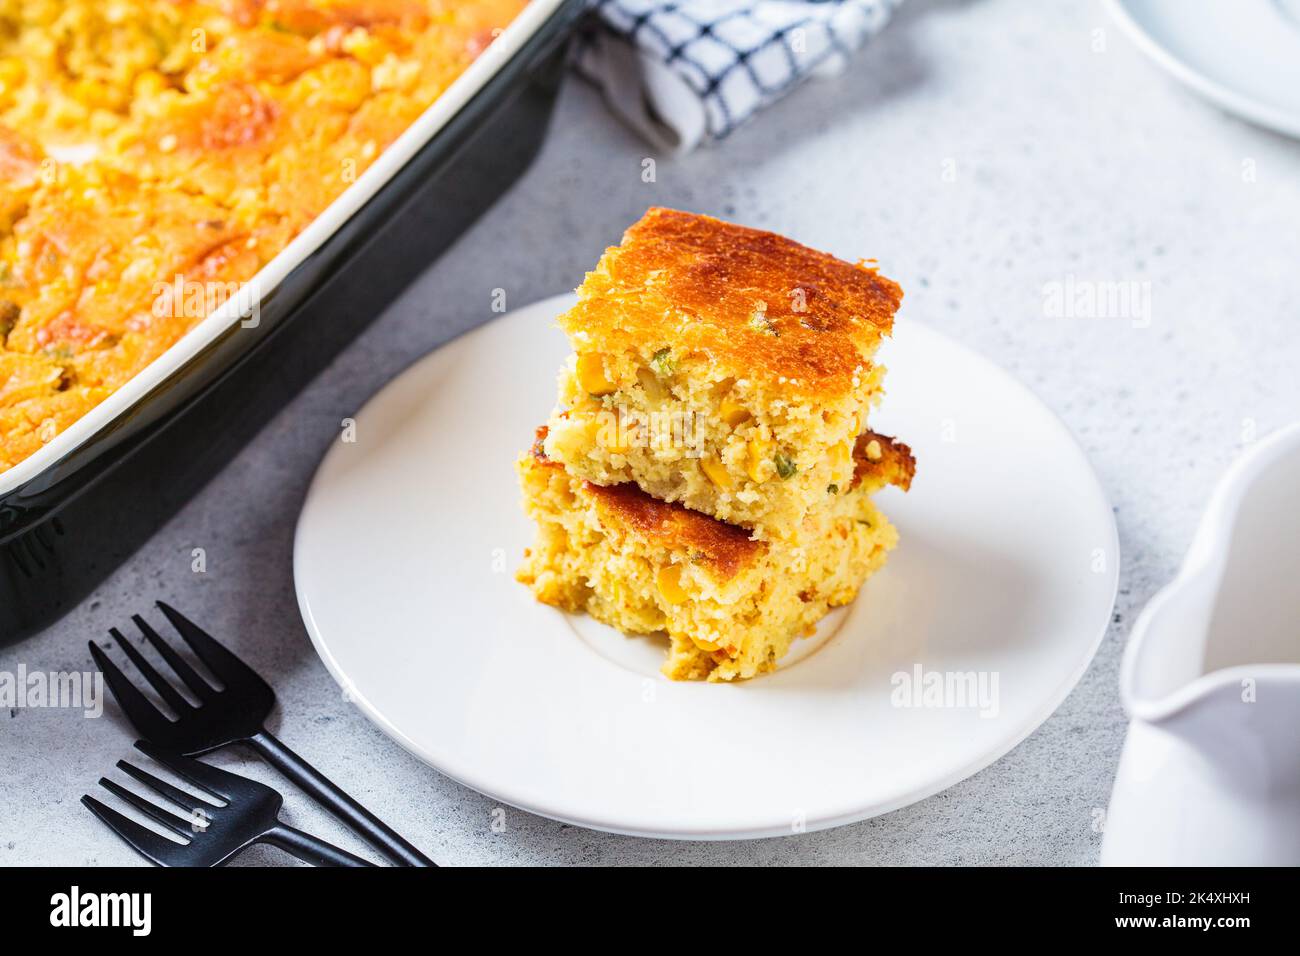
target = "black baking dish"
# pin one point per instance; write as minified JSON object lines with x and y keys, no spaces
{"x":64,"y":528}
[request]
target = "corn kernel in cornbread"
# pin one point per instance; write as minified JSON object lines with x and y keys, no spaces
{"x":730,"y":605}
{"x":743,"y":358}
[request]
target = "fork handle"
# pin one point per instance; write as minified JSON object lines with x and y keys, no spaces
{"x":373,"y":830}
{"x":311,"y":849}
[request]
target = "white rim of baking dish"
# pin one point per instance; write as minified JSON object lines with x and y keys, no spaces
{"x":461,"y":91}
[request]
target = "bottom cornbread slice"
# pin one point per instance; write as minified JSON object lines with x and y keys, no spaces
{"x":730,"y":605}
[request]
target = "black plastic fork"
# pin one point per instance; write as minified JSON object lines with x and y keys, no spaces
{"x":250,"y":814}
{"x":234,"y":714}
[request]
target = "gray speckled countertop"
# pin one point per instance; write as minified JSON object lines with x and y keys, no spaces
{"x":980,"y":150}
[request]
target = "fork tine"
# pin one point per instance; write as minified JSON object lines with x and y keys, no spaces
{"x":224,"y":664}
{"x":177,"y":663}
{"x":155,"y":848}
{"x":164,"y":789}
{"x":171,"y":821}
{"x":147,"y":718}
{"x":209,"y":779}
{"x":159,"y":683}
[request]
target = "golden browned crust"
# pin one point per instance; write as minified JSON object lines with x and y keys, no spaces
{"x":890,"y":462}
{"x":749,"y":302}
{"x":724,"y":548}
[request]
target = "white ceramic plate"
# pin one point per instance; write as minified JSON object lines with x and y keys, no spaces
{"x":410,"y":535}
{"x":1243,"y":55}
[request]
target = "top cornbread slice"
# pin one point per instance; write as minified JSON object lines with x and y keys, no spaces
{"x":725,"y":368}
{"x":748,"y":304}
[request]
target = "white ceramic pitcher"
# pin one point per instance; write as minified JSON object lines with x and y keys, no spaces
{"x":1210,"y":772}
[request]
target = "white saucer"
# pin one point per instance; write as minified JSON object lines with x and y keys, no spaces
{"x":410,"y":536}
{"x":1243,"y":55}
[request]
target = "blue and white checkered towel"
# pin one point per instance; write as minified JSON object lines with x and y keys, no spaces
{"x":683,"y":72}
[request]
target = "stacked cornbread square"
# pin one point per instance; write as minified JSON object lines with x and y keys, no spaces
{"x":707,"y":471}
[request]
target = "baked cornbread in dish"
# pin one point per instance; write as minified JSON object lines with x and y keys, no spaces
{"x":722,"y":367}
{"x":147,"y":145}
{"x":730,"y":605}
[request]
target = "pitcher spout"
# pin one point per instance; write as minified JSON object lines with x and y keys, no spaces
{"x":1215,"y":657}
{"x":1239,"y":724}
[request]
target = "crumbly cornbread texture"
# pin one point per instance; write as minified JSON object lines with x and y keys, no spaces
{"x":730,"y":605}
{"x":146,"y":141}
{"x":725,"y":368}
